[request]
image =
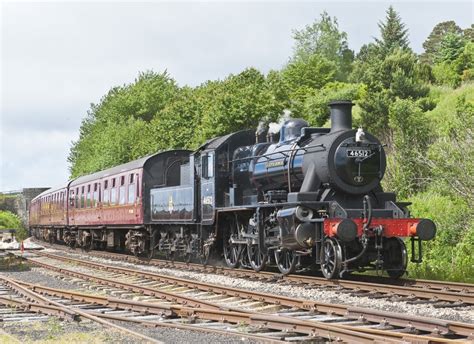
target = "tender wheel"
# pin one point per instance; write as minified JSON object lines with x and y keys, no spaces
{"x":331,"y":258}
{"x":257,"y":258}
{"x":231,"y":251}
{"x":395,"y":257}
{"x":286,"y":260}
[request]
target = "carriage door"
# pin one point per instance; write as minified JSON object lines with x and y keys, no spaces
{"x":207,"y":187}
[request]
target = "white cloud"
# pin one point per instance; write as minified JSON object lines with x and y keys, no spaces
{"x":58,"y":57}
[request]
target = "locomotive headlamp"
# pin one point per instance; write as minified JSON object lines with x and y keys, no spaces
{"x":303,"y":214}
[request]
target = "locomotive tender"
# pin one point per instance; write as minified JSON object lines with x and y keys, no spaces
{"x":306,"y":198}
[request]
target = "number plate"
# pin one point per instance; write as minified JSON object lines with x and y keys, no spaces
{"x":358,"y":153}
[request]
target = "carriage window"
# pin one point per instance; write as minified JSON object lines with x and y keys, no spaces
{"x":113,"y":196}
{"x":105,"y":196}
{"x":76,"y":199}
{"x":72,"y":200}
{"x":83,"y":197}
{"x":122,"y":190}
{"x":96,"y":195}
{"x":131,"y":178}
{"x":131,"y":193}
{"x":88,"y":196}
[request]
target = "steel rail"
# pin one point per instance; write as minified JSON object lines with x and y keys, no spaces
{"x":129,"y":287}
{"x":401,"y":320}
{"x":456,"y":287}
{"x":272,"y":322}
{"x":366,"y":287}
{"x":45,"y":302}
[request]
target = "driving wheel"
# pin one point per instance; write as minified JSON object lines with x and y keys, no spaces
{"x":331,"y":258}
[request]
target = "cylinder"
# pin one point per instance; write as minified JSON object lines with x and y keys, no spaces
{"x":341,"y":115}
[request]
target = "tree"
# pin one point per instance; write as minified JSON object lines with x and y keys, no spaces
{"x":393,"y":33}
{"x":118,"y":129}
{"x":451,"y":47}
{"x":324,"y":38}
{"x":432,"y":44}
{"x":468,"y":33}
{"x":238,"y":102}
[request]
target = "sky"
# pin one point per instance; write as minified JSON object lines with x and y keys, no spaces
{"x":59,"y":57}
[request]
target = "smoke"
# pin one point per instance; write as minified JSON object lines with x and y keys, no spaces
{"x":262,"y":126}
{"x":274,"y":128}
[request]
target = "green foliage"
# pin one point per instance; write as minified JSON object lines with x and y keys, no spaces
{"x":117,"y":129}
{"x":12,"y":221}
{"x":236,"y":103}
{"x":407,"y":173}
{"x":453,"y":52}
{"x":449,"y":200}
{"x":445,"y":74}
{"x":316,"y":105}
{"x":323,"y":38}
{"x":395,"y":77}
{"x":451,"y":157}
{"x":432,"y":44}
{"x":451,"y":47}
{"x":394,"y":34}
{"x":469,"y":33}
{"x":449,"y":256}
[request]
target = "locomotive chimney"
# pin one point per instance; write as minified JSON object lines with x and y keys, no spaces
{"x":341,"y":115}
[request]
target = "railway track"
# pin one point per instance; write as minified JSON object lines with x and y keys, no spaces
{"x":437,"y":293}
{"x":22,"y":300}
{"x":271,"y":312}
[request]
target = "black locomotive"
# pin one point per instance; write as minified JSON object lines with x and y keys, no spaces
{"x":303,"y":198}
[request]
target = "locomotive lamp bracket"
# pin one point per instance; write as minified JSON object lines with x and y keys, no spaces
{"x":416,"y":257}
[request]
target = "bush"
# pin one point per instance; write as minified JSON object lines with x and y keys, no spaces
{"x":446,"y":74}
{"x":10,"y":220}
{"x":449,"y":255}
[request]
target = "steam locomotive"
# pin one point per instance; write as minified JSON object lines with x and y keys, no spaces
{"x":304,"y":198}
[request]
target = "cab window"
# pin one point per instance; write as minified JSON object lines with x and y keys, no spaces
{"x":208,"y":165}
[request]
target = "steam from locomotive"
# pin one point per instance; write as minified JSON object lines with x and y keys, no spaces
{"x":301,"y":198}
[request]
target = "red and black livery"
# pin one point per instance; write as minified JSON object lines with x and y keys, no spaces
{"x":303,"y":198}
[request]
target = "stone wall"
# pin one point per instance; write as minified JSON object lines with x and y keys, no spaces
{"x":19,"y":202}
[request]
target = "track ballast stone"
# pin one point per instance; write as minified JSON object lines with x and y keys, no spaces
{"x":465,"y":314}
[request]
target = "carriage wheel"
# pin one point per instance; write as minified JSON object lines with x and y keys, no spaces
{"x":286,"y":260}
{"x":231,"y":251}
{"x":331,"y":258}
{"x":395,"y":257}
{"x":87,"y":243}
{"x":257,"y":258}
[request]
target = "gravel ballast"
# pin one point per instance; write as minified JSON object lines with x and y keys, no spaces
{"x":89,"y":332}
{"x":465,"y":314}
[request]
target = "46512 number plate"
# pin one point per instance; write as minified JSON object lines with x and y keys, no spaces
{"x":359,"y":153}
